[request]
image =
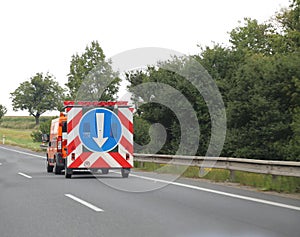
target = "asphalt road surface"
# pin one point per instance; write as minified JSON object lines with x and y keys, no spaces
{"x":36,"y":203}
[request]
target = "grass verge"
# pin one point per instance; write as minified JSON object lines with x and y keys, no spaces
{"x":263,"y":182}
{"x":19,"y":137}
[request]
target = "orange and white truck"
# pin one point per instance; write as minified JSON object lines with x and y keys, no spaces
{"x":91,"y":136}
{"x":57,"y":144}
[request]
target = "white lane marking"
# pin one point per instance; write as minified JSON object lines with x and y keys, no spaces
{"x":97,"y":209}
{"x":277,"y":204}
{"x":25,"y":175}
{"x":194,"y":187}
{"x":0,"y":163}
{"x":21,"y":152}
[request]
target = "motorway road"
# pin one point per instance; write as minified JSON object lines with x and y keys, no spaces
{"x":35,"y":203}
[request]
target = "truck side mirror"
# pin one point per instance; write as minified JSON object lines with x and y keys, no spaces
{"x":45,"y":138}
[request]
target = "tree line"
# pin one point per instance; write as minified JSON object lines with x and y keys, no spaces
{"x":257,"y":73}
{"x":43,"y":93}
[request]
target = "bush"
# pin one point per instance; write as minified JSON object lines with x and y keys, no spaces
{"x":3,"y":111}
{"x":44,"y":128}
{"x":36,"y":136}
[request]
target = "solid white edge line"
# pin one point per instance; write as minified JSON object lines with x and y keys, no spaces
{"x":91,"y":206}
{"x":193,"y":187}
{"x":21,"y":152}
{"x":221,"y":193}
{"x":25,"y":175}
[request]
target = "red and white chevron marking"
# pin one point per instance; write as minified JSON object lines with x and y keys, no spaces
{"x":100,"y":159}
{"x":74,"y":144}
{"x":126,"y":143}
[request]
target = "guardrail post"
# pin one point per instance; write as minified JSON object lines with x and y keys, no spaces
{"x":3,"y":139}
{"x":201,"y":172}
{"x":232,"y":176}
{"x":274,"y":177}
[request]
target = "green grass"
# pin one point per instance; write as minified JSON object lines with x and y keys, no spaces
{"x":17,"y":130}
{"x":20,"y":122}
{"x":19,"y":137}
{"x":218,"y":175}
{"x":262,"y":182}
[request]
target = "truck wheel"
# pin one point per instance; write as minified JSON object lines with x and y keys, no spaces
{"x":104,"y":171}
{"x":49,"y":167}
{"x":68,"y":172}
{"x":57,"y":169}
{"x":68,"y":175}
{"x":125,"y":173}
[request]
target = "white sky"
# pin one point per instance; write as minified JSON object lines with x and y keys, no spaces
{"x":41,"y":36}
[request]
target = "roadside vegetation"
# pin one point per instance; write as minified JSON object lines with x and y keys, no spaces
{"x":258,"y":75}
{"x":262,"y":182}
{"x":19,"y":131}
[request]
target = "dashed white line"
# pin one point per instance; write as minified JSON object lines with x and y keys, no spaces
{"x":221,"y":193}
{"x":89,"y":205}
{"x":176,"y":184}
{"x":25,"y":175}
{"x":0,"y":163}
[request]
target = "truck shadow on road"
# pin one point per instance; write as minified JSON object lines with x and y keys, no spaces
{"x":87,"y":176}
{"x":96,"y":175}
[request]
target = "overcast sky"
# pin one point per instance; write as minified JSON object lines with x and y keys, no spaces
{"x":42,"y":35}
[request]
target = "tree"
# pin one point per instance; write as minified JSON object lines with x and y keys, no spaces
{"x":38,"y":95}
{"x":258,"y":109}
{"x":3,"y":111}
{"x":285,"y":37}
{"x":91,"y":76}
{"x":259,"y":78}
{"x":171,"y":104}
{"x":252,"y":37}
{"x":217,"y":60}
{"x":293,"y":148}
{"x":141,"y":131}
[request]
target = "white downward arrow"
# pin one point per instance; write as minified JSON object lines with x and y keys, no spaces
{"x":100,"y":140}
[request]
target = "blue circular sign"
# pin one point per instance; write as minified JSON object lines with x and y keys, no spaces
{"x":100,"y":130}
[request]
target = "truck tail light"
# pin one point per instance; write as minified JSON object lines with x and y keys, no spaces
{"x":59,"y":144}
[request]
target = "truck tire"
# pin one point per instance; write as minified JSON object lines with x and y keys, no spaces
{"x":49,"y":167}
{"x":68,"y":175}
{"x":125,"y":172}
{"x":59,"y":163}
{"x":57,"y":169}
{"x":68,"y":172}
{"x":105,"y":171}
